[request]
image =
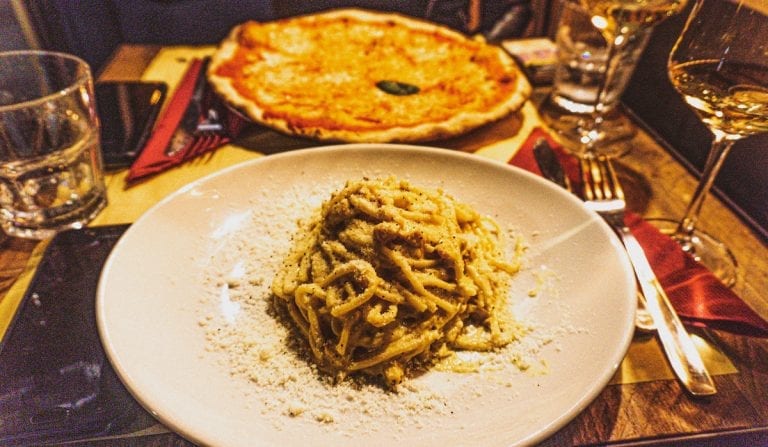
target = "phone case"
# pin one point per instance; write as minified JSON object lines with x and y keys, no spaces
{"x":56,"y":383}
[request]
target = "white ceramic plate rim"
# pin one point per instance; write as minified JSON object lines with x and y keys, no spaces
{"x":148,"y":395}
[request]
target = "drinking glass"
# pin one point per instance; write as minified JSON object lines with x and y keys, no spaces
{"x":50,"y":160}
{"x":619,"y":22}
{"x":581,"y":65}
{"x":719,"y":65}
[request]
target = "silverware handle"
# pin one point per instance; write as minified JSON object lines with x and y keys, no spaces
{"x":681,"y":352}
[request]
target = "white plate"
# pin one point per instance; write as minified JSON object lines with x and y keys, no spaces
{"x":156,"y":289}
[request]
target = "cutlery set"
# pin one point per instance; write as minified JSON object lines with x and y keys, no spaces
{"x":194,"y":122}
{"x":200,"y":128}
{"x":603,"y":194}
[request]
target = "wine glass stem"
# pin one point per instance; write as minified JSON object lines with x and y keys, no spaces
{"x":610,"y":72}
{"x":719,"y":150}
{"x":591,"y":134}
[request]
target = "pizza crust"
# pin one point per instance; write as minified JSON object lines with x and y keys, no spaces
{"x":262,"y":86}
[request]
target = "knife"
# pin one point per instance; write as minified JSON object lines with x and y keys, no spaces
{"x":549,"y":164}
{"x":184,"y":133}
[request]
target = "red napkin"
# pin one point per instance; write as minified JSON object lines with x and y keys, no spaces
{"x":699,"y":298}
{"x":153,"y":159}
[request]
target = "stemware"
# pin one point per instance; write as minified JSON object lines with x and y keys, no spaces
{"x":719,"y":65}
{"x":619,"y":22}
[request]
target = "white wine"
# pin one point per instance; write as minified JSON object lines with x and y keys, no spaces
{"x":611,"y":15}
{"x":729,"y":97}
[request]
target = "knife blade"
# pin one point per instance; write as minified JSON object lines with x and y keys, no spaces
{"x":184,"y":133}
{"x":549,"y":164}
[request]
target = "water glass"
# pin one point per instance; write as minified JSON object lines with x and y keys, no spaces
{"x":582,"y":62}
{"x":51,"y":175}
{"x":582,"y":54}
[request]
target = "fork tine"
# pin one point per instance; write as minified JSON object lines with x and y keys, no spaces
{"x":600,"y":179}
{"x":586,"y":180}
{"x":193,"y":148}
{"x":217,"y":140}
{"x":202,"y":140}
{"x":603,"y":177}
{"x":591,"y":191}
{"x":201,"y":143}
{"x":616,"y":189}
{"x":214,"y":141}
{"x":210,"y":143}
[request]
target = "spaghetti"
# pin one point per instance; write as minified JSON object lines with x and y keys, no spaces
{"x":386,"y":276}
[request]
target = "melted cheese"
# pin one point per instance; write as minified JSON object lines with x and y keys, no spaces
{"x":321,"y":72}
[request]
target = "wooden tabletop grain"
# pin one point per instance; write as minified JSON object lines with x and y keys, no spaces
{"x":645,"y":413}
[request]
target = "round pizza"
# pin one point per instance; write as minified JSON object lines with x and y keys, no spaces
{"x":358,"y":76}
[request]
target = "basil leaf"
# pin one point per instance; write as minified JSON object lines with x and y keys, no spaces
{"x":397,"y":88}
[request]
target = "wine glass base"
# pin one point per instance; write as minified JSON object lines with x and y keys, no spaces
{"x":571,"y":131}
{"x":705,"y":249}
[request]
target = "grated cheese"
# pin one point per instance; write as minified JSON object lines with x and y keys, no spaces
{"x":262,"y":353}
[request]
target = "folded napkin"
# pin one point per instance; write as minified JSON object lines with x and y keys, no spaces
{"x":153,"y":159}
{"x":699,"y":298}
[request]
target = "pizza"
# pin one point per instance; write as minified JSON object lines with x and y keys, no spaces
{"x":353,"y":75}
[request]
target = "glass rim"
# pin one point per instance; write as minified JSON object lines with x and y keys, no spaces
{"x":72,"y":86}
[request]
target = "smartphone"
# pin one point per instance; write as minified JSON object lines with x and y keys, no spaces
{"x":127,"y":111}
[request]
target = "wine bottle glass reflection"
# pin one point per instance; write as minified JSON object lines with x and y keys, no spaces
{"x":719,"y":65}
{"x":617,"y":21}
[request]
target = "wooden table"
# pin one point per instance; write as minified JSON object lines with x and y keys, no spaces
{"x":646,"y":412}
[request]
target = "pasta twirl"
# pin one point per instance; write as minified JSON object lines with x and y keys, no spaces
{"x":386,"y":275}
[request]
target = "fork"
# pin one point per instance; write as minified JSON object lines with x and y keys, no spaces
{"x":604,"y":195}
{"x":208,"y":134}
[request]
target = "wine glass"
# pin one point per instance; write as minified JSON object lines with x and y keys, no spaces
{"x":719,"y":65}
{"x":619,"y":22}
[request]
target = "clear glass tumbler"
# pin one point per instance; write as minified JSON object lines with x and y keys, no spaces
{"x":599,"y":43}
{"x":50,"y":159}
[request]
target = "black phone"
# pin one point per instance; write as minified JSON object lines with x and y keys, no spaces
{"x":127,"y":111}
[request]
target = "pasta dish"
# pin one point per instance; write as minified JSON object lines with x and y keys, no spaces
{"x":386,"y":277}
